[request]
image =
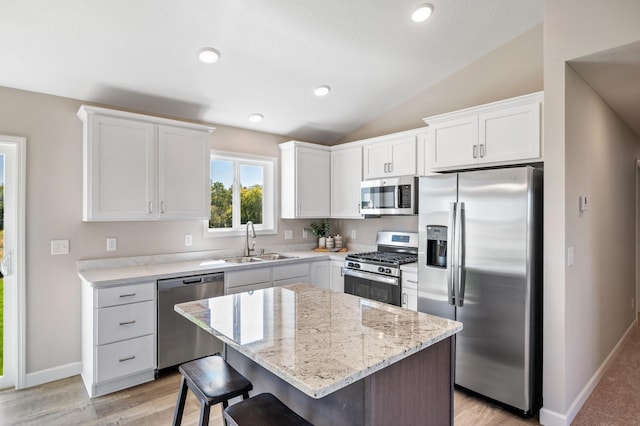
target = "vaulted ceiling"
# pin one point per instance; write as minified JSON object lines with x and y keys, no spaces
{"x":142,"y":55}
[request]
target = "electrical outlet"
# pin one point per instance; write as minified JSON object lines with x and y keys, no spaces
{"x":571,"y":257}
{"x":188,"y":240}
{"x":353,"y":234}
{"x":112,"y":244}
{"x":305,"y":233}
{"x":288,"y":234}
{"x":59,"y":247}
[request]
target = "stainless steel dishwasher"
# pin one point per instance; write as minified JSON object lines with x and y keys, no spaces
{"x":179,"y":340}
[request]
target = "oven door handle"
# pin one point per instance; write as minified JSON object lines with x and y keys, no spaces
{"x":370,"y":276}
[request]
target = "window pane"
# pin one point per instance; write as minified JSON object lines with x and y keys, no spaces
{"x":251,"y":185}
{"x":221,"y":194}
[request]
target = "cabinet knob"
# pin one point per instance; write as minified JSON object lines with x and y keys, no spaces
{"x":481,"y":150}
{"x":390,"y":167}
{"x":475,"y":151}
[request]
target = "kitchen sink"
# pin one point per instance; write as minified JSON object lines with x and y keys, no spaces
{"x":275,"y":256}
{"x":243,"y":260}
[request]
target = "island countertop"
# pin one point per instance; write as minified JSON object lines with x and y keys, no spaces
{"x":316,"y":340}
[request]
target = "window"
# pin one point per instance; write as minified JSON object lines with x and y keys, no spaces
{"x":243,"y":189}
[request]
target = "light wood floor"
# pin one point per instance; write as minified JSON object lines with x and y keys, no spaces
{"x":65,"y":402}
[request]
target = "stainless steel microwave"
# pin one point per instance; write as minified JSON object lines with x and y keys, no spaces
{"x":389,"y":196}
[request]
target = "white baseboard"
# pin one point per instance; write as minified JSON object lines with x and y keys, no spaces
{"x":53,"y":374}
{"x":552,"y":418}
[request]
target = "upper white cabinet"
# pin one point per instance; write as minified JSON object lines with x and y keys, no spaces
{"x":395,"y":156}
{"x":502,"y":132}
{"x":305,"y":173}
{"x":346,"y":175}
{"x":138,"y":167}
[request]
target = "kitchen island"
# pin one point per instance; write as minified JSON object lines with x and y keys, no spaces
{"x":335,"y":358}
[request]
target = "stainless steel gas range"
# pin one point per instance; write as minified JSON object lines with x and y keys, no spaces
{"x":376,"y":275}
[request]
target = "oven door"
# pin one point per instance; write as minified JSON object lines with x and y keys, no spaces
{"x":372,"y":286}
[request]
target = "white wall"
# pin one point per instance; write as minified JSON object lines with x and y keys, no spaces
{"x":54,"y":211}
{"x":587,"y":150}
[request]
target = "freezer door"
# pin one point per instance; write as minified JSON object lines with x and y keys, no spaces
{"x":437,"y":196}
{"x":493,"y":351}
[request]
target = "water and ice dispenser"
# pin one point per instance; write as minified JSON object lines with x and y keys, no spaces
{"x":437,"y":246}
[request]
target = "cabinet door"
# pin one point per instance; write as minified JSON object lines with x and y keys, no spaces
{"x":320,"y":274}
{"x":120,"y":170}
{"x":313,"y":181}
{"x":510,"y":134}
{"x":337,"y":278}
{"x":402,"y":157}
{"x":184,"y":182}
{"x":346,"y":175}
{"x":410,"y":291}
{"x":453,"y":143}
{"x":374,"y":159}
{"x":251,"y":287}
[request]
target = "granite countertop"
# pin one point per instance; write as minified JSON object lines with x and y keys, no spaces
{"x":317,"y":340}
{"x":117,"y":271}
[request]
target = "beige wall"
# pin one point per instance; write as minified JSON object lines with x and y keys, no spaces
{"x":511,"y":70}
{"x":54,"y":211}
{"x":587,"y":150}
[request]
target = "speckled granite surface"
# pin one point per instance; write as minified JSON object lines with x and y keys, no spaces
{"x":314,"y":339}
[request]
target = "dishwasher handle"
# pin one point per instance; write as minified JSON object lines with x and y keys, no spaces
{"x":170,"y":283}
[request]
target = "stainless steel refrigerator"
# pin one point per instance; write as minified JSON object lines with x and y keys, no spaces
{"x":480,"y":262}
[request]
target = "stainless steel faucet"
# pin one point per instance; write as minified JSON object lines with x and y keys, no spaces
{"x":248,"y":250}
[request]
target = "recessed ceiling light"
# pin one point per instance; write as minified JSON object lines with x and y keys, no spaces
{"x":208,"y":55}
{"x":256,"y":118}
{"x":422,"y":12}
{"x":322,"y":90}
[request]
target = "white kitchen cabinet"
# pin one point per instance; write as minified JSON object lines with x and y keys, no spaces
{"x":337,"y":277}
{"x":118,"y":337}
{"x":305,"y":173}
{"x":346,"y":175}
{"x":505,"y":132}
{"x":290,"y":274}
{"x":395,"y":156}
{"x":248,"y":287}
{"x":138,"y":167}
{"x":320,"y":275}
{"x":410,"y":290}
{"x":256,"y":277}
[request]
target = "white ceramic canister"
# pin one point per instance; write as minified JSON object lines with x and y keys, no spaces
{"x":337,"y":241}
{"x":329,"y":242}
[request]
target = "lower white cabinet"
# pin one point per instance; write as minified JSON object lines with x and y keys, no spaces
{"x":320,"y":276}
{"x":268,"y":275}
{"x":118,"y":336}
{"x":410,"y":290}
{"x":337,"y":277}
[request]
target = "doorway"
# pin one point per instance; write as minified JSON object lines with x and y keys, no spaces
{"x":12,"y":288}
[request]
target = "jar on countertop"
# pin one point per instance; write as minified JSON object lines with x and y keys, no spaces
{"x":329,"y":242}
{"x":337,"y":241}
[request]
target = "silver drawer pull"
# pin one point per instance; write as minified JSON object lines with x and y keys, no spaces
{"x":128,"y":295}
{"x":127,"y":359}
{"x":412,"y":281}
{"x":128,"y":322}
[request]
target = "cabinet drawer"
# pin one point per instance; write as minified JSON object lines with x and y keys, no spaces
{"x":251,"y":276}
{"x":295,"y":280}
{"x":123,"y":358}
{"x":125,"y":294}
{"x":252,"y":287}
{"x":125,"y":322}
{"x":290,"y":271}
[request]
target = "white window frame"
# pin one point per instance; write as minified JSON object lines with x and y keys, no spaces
{"x":269,"y":224}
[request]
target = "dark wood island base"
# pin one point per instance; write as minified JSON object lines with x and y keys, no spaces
{"x":417,"y":390}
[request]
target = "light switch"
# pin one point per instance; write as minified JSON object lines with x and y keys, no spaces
{"x":570,"y":256}
{"x":288,"y":234}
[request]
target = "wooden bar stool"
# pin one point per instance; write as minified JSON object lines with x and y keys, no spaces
{"x":264,"y":410}
{"x":212,"y":381}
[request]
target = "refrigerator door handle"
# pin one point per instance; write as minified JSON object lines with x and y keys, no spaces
{"x":460,"y":248}
{"x":451,"y":255}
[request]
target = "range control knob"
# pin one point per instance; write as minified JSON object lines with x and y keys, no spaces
{"x":388,"y":270}
{"x":381,"y":269}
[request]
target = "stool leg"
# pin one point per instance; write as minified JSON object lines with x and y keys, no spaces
{"x":182,"y":397}
{"x":204,"y":414}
